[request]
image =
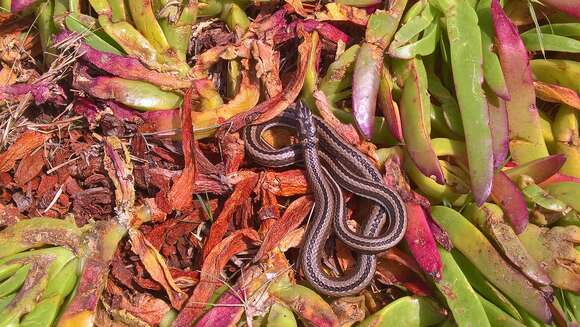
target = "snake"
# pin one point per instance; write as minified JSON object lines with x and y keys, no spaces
{"x":331,"y":163}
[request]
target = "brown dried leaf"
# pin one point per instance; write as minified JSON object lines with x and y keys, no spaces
{"x":286,"y":183}
{"x":267,"y":66}
{"x":156,"y":267}
{"x":29,"y":167}
{"x":26,"y":143}
{"x":556,"y":93}
{"x":181,"y":194}
{"x":349,"y":310}
{"x":9,"y":215}
{"x":274,"y":105}
{"x":143,"y":306}
{"x":117,"y":162}
{"x":340,"y":12}
{"x":234,"y":202}
{"x":347,"y":131}
{"x":292,"y":218}
{"x":210,"y":274}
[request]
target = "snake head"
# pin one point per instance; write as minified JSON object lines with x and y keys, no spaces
{"x":306,"y":125}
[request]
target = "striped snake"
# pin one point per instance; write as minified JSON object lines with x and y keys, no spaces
{"x":330,"y":164}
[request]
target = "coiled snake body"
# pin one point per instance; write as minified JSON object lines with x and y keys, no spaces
{"x":330,"y":164}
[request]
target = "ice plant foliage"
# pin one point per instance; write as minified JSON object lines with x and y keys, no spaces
{"x":129,"y":193}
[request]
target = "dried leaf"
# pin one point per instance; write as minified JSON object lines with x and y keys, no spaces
{"x":349,"y":310}
{"x":340,"y":12}
{"x":220,"y":225}
{"x":347,"y":131}
{"x":274,"y":105}
{"x":286,"y":183}
{"x":209,"y":280}
{"x":554,"y":249}
{"x":24,"y":145}
{"x":292,"y":218}
{"x":156,"y":267}
{"x":29,"y":167}
{"x":140,"y":305}
{"x":181,"y":194}
{"x":556,"y":93}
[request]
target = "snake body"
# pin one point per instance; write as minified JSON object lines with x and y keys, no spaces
{"x":331,"y":163}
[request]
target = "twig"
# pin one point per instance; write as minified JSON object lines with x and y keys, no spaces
{"x":53,"y":169}
{"x":53,"y":202}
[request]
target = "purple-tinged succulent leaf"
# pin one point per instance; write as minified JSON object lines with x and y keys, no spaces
{"x":135,"y":94}
{"x":507,"y":195}
{"x":227,"y":311}
{"x":421,"y":241}
{"x":42,"y":93}
{"x":539,"y":170}
{"x":131,"y":68}
{"x":365,"y":87}
{"x":570,"y":7}
{"x":526,"y":140}
{"x":20,"y":5}
{"x":498,"y":122}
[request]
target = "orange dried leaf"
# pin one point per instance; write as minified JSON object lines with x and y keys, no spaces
{"x":286,"y":183}
{"x":556,"y":93}
{"x":340,"y":12}
{"x":275,"y":105}
{"x":26,"y":143}
{"x":234,"y":202}
{"x":292,"y":218}
{"x":156,"y":267}
{"x":181,"y":193}
{"x":7,"y":75}
{"x":233,"y":152}
{"x":29,"y":167}
{"x":279,"y":137}
{"x":210,"y":274}
{"x":292,"y":239}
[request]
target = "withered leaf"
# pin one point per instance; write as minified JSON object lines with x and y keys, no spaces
{"x":233,"y":203}
{"x":217,"y":258}
{"x":292,"y":218}
{"x":274,"y":105}
{"x":286,"y":183}
{"x":556,"y":93}
{"x":29,"y":167}
{"x":156,"y":267}
{"x":24,"y":145}
{"x":181,"y":193}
